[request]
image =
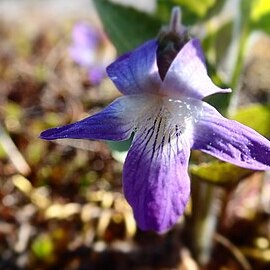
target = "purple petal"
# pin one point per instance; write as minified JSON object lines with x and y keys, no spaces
{"x":187,"y":75}
{"x":136,"y":72}
{"x":155,"y":179}
{"x":231,"y":141}
{"x":115,"y":122}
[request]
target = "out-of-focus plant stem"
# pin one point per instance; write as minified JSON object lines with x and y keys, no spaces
{"x":207,"y":199}
{"x":13,"y":153}
{"x":240,"y":35}
{"x":206,"y":206}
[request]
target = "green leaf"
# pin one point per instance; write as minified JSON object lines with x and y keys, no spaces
{"x":198,"y":7}
{"x":164,"y":8}
{"x":3,"y":153}
{"x":256,"y":116}
{"x":126,"y":27}
{"x":119,"y":149}
{"x":190,"y":8}
{"x":219,"y":173}
{"x":262,"y":23}
{"x":35,"y":152}
{"x":260,"y":15}
{"x":260,"y":8}
{"x":120,"y":146}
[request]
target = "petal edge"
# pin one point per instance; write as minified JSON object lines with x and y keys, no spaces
{"x":136,"y":72}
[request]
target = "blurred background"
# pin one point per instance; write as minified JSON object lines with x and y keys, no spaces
{"x":61,"y":203}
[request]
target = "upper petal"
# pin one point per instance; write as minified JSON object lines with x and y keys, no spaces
{"x":187,"y":75}
{"x":136,"y":72}
{"x":231,"y":141}
{"x":155,"y":176}
{"x":115,"y":122}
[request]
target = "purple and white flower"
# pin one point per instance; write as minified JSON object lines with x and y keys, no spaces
{"x":163,"y":83}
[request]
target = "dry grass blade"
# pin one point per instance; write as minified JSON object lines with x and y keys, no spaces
{"x":13,"y":153}
{"x":235,"y":251}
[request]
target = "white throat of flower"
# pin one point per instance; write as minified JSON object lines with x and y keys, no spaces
{"x":166,"y":121}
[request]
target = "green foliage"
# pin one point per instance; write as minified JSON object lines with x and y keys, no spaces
{"x":120,"y":146}
{"x":119,"y":149}
{"x":260,"y":15}
{"x":126,"y":27}
{"x":52,"y":119}
{"x":192,"y":11}
{"x":42,"y":247}
{"x":256,"y":116}
{"x":12,"y":110}
{"x":2,"y":152}
{"x":35,"y":151}
{"x":164,"y":8}
{"x":197,"y":7}
{"x":218,"y":173}
{"x":260,"y":8}
{"x":217,"y":42}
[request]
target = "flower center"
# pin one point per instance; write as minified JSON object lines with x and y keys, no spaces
{"x":169,"y":45}
{"x":166,"y":120}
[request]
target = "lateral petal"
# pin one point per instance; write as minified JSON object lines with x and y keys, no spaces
{"x":115,"y":122}
{"x":231,"y":141}
{"x":155,"y":177}
{"x":136,"y":72}
{"x":187,"y":75}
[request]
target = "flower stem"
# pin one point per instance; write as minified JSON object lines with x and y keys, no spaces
{"x":206,"y":206}
{"x":241,"y":33}
{"x":13,"y":152}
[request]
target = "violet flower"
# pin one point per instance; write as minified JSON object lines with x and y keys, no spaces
{"x":86,"y":43}
{"x":163,"y":83}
